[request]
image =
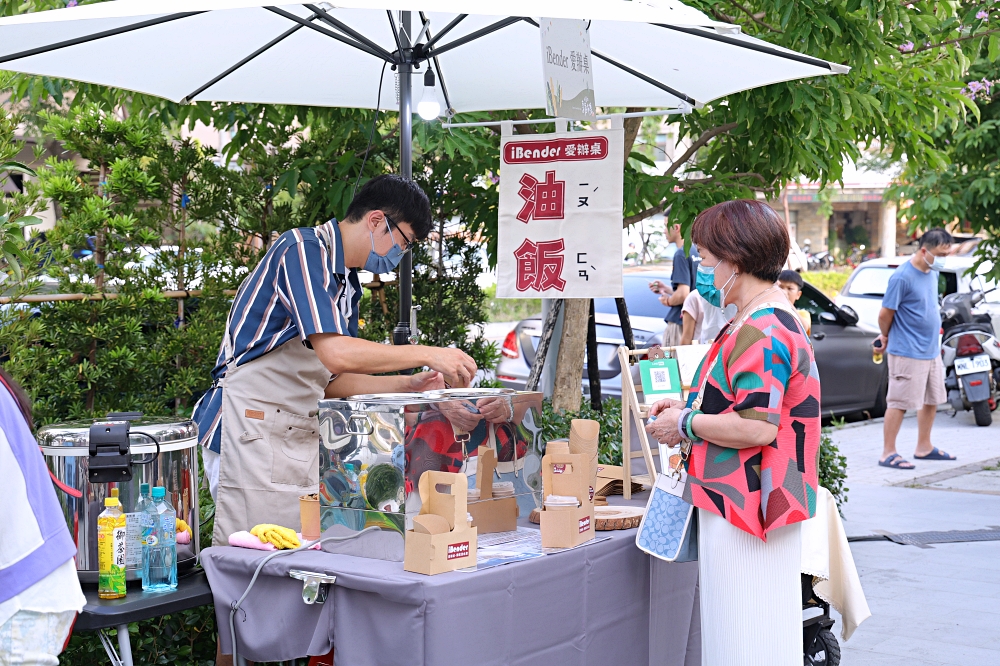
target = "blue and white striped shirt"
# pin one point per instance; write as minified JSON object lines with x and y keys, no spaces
{"x":299,"y":288}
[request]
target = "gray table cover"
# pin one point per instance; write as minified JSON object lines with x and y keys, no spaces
{"x":603,"y":603}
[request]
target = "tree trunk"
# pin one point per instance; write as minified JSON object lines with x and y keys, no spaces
{"x":568,"y":392}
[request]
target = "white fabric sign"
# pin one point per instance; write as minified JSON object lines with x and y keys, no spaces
{"x":561,"y":215}
{"x":567,"y":68}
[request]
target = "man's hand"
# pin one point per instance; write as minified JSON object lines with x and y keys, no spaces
{"x":425,"y":381}
{"x":883,"y":339}
{"x":457,"y":367}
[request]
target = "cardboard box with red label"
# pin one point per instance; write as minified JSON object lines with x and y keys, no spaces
{"x":442,"y":538}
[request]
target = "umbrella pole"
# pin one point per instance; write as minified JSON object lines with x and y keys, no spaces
{"x":401,"y":334}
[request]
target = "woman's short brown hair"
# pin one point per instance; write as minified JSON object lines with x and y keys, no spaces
{"x":745,"y":233}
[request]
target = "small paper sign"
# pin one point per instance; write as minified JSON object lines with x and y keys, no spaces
{"x":661,"y":378}
{"x":567,"y":67}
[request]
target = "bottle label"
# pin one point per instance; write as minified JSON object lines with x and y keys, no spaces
{"x":135,"y":537}
{"x":168,"y":527}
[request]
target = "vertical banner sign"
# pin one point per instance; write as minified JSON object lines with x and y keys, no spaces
{"x":566,"y":65}
{"x":560,"y":232}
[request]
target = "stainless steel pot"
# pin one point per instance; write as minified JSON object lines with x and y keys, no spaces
{"x":373,"y":449}
{"x":65,"y":447}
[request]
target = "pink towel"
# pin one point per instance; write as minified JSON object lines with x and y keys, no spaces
{"x":183,"y":537}
{"x":244,"y":539}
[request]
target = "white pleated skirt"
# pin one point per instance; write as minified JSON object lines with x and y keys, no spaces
{"x":751,"y":595}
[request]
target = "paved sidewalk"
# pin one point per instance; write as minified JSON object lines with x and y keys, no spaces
{"x":930,"y":606}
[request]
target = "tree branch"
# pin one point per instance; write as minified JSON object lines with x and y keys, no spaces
{"x":754,"y":17}
{"x":725,"y":18}
{"x":705,"y":137}
{"x":928,"y":47}
{"x":632,"y":126}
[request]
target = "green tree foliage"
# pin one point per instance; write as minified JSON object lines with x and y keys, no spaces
{"x":907,"y":60}
{"x":966,"y":189}
{"x":85,"y":358}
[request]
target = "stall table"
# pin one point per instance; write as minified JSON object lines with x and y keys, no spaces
{"x":604,"y":602}
{"x":100,"y":614}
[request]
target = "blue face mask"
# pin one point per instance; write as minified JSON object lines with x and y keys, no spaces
{"x":938,"y":264}
{"x":715,"y":296}
{"x":384,"y":263}
{"x":705,"y":284}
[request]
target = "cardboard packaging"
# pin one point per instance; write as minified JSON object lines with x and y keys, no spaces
{"x":309,"y":515}
{"x":566,"y":527}
{"x":441,"y":539}
{"x":491,"y":514}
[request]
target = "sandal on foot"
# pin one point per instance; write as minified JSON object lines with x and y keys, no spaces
{"x":936,"y":454}
{"x":896,"y":461}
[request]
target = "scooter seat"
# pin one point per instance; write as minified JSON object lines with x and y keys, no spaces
{"x":972,"y":327}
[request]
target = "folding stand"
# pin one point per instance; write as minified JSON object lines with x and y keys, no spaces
{"x":631,"y":409}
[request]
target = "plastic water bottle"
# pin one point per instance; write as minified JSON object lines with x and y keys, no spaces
{"x":877,"y":351}
{"x":159,"y":553}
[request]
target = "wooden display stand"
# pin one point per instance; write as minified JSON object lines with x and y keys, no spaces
{"x":491,"y":514}
{"x":566,"y":527}
{"x":633,"y":410}
{"x":441,"y":539}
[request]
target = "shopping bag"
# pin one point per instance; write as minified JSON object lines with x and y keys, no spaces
{"x":669,"y":528}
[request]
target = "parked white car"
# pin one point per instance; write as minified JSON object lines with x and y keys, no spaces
{"x":866,"y":287}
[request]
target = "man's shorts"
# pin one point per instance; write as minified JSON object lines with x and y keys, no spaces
{"x":672,"y":334}
{"x":915,"y":382}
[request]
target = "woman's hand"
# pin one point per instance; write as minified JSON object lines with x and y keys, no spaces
{"x":666,"y":403}
{"x":495,"y":410}
{"x":664,"y":428}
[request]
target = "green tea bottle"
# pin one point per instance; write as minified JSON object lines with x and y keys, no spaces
{"x":111,"y":550}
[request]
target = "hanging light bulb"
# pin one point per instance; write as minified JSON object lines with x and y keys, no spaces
{"x":429,"y":107}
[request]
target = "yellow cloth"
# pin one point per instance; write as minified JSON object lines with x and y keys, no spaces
{"x":827,"y":557}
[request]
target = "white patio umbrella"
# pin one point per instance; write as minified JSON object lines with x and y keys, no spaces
{"x":486,"y":56}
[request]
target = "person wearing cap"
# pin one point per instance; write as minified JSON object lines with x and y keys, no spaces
{"x":291,"y":339}
{"x":40,"y":593}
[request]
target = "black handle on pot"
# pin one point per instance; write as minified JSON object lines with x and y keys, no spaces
{"x":155,"y":455}
{"x":109,"y":460}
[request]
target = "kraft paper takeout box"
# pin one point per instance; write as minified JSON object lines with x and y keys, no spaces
{"x":566,"y":527}
{"x":491,"y":514}
{"x":441,"y":539}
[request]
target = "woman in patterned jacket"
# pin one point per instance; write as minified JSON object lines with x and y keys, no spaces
{"x":753,"y":422}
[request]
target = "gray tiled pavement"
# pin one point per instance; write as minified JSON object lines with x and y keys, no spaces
{"x":930,"y":606}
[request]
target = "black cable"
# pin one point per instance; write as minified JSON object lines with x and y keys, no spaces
{"x":155,"y":441}
{"x":371,"y":134}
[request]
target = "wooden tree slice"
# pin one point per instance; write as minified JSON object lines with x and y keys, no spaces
{"x":608,"y":518}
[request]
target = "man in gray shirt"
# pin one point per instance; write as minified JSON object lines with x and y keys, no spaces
{"x":910,"y":323}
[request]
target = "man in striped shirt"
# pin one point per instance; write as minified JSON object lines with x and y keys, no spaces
{"x":291,"y":339}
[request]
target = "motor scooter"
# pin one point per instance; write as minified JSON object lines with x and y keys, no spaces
{"x":971,"y":356}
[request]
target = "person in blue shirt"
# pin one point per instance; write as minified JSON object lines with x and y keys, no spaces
{"x":910,"y":323}
{"x":291,"y":340}
{"x":681,"y":281}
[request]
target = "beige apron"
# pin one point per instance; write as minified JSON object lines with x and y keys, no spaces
{"x":270,"y":438}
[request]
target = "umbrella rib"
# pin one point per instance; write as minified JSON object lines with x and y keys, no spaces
{"x":395,"y":34}
{"x":346,"y":29}
{"x":482,"y":32}
{"x":329,"y":33}
{"x":97,"y":35}
{"x":760,"y":48}
{"x":648,"y":79}
{"x":437,"y":65}
{"x":444,"y":31}
{"x":288,"y":33}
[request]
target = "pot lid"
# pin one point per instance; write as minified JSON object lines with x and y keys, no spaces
{"x":76,"y":434}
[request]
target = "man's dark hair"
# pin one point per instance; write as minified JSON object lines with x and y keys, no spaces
{"x":401,"y":199}
{"x":936,"y":237}
{"x":791,"y":276}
